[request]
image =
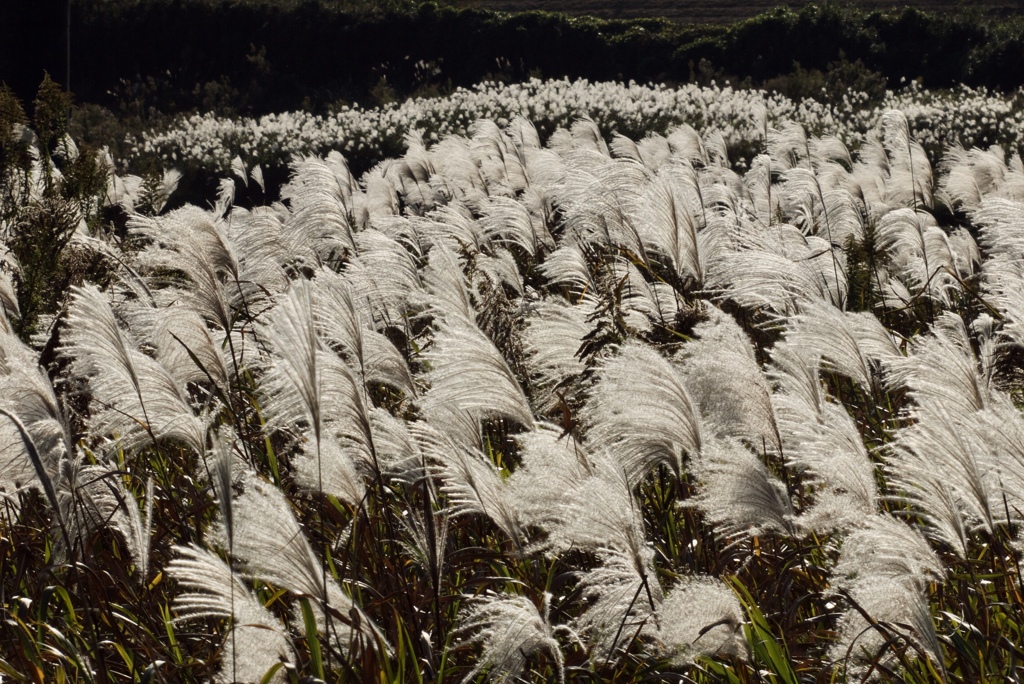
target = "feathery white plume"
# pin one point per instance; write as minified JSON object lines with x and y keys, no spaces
{"x":641,"y":411}
{"x":738,"y":493}
{"x":853,"y":344}
{"x":722,"y":376}
{"x":469,"y":374}
{"x":313,"y":392}
{"x":510,"y":629}
{"x":701,"y":617}
{"x":885,"y":567}
{"x":257,"y":641}
{"x":553,"y":336}
{"x":341,"y":325}
{"x":910,"y":172}
{"x":820,"y":438}
{"x":270,"y":545}
{"x":134,"y":397}
{"x":469,"y":480}
{"x":320,"y":202}
{"x":552,"y":468}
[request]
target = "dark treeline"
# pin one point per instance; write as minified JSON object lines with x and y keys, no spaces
{"x":177,"y":55}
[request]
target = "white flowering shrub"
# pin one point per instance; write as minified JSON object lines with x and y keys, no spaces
{"x":974,"y":117}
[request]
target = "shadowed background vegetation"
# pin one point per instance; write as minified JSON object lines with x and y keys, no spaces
{"x":251,"y":58}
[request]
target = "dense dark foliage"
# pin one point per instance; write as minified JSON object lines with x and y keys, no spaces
{"x":255,"y":57}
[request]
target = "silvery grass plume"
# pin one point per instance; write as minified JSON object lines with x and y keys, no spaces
{"x":968,"y":176}
{"x":788,"y":147}
{"x":262,"y":249}
{"x":467,"y":373}
{"x":257,"y":640}
{"x":641,"y":411}
{"x":403,"y":229}
{"x":870,"y":174}
{"x":643,"y":303}
{"x":379,"y":198}
{"x":956,"y":401}
{"x":93,"y":497}
{"x":239,"y":170}
{"x":700,"y":616}
{"x":567,"y":267}
{"x":320,"y":199}
{"x":1001,"y":233}
{"x":523,"y":133}
{"x":652,"y":151}
{"x":622,"y":596}
{"x":133,"y":397}
{"x":671,"y":224}
{"x":885,"y":567}
{"x":22,"y":465}
{"x":455,"y":227}
{"x":225,"y":197}
{"x":927,"y":259}
{"x":8,"y":301}
{"x":820,"y":438}
{"x":552,"y":466}
{"x":544,"y":167}
{"x":158,"y":196}
{"x":764,"y":204}
{"x":411,"y":178}
{"x":507,"y":221}
{"x":704,"y":151}
{"x":949,"y":464}
{"x":721,"y":373}
{"x":342,"y":328}
{"x":552,"y":339}
{"x":270,"y":546}
{"x":456,"y":166}
{"x":32,"y":450}
{"x":500,"y":160}
{"x":856,"y":345}
{"x":26,"y":392}
{"x":121,"y":190}
{"x":510,"y":630}
{"x":831,"y":213}
{"x":311,"y":393}
{"x":586,"y":134}
{"x":184,"y":344}
{"x":738,"y":494}
{"x":779,"y":268}
{"x":190,"y":251}
{"x":1002,"y":427}
{"x":395,"y":448}
{"x":469,"y":480}
{"x":444,"y":279}
{"x":942,"y":466}
{"x":584,"y":502}
{"x":598,"y":514}
{"x":910,"y":172}
{"x":597,"y":510}
{"x":598,"y":198}
{"x":426,"y":542}
{"x":499,"y":268}
{"x":383,"y":275}
{"x":941,"y":370}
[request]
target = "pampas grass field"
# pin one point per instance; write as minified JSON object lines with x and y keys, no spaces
{"x":516,"y":406}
